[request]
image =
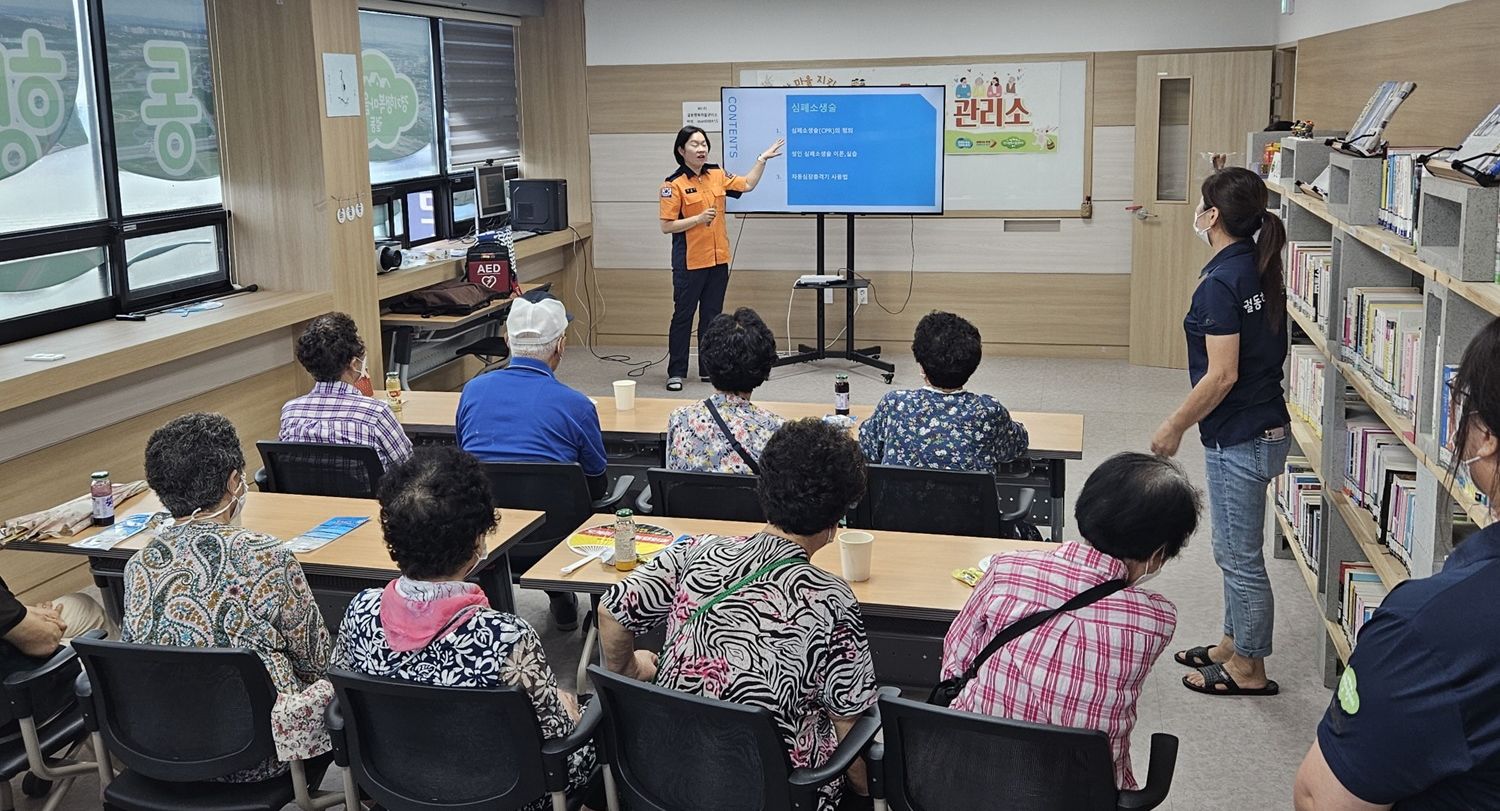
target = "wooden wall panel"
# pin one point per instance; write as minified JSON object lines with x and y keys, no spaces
{"x":56,"y":474}
{"x":648,"y":98}
{"x":630,"y":167}
{"x":1114,"y":164}
{"x":554,"y":108}
{"x":1114,"y":89}
{"x":1086,"y":311}
{"x":1450,"y":53}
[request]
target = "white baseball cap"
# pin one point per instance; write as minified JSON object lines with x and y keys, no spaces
{"x":535,"y":323}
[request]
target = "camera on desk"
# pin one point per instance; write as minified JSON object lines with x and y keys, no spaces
{"x":388,"y":255}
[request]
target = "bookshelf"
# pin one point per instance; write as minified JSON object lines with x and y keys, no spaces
{"x":1454,"y":304}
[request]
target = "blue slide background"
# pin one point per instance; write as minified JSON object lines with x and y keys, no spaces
{"x":891,"y":147}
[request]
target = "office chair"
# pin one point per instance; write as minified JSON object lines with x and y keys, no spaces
{"x":320,"y":469}
{"x":944,"y":502}
{"x":685,"y":494}
{"x":41,"y":729}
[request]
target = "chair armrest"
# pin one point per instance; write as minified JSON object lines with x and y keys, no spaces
{"x":17,"y":685}
{"x":84,"y":689}
{"x":859,"y":738}
{"x":555,"y":751}
{"x":1024,"y":498}
{"x":643,"y":502}
{"x":875,"y":764}
{"x":334,"y":718}
{"x":615,"y":495}
{"x":1021,"y":468}
{"x":262,"y":479}
{"x":1158,"y":776}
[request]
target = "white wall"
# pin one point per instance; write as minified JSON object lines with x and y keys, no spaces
{"x":633,"y":32}
{"x":1309,"y":18}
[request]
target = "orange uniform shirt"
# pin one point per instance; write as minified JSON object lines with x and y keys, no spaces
{"x":683,"y":195}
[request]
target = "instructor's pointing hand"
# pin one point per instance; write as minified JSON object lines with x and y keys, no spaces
{"x":707,"y":217}
{"x":774,"y":151}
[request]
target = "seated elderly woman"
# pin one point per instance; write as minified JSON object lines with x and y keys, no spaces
{"x":726,"y":432}
{"x":205,"y":581}
{"x":818,"y":677}
{"x":1083,"y":668}
{"x":432,"y":627}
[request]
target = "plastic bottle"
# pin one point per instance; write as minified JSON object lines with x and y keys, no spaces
{"x":625,"y":554}
{"x":104,"y":500}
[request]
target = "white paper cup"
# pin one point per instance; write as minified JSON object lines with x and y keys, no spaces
{"x":624,"y":395}
{"x":854,"y":553}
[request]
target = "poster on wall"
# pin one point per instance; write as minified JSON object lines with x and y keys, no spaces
{"x":992,"y":108}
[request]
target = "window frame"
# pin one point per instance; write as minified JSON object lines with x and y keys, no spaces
{"x":111,"y":232}
{"x":447,"y":181}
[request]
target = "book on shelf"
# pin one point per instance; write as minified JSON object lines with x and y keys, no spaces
{"x":1382,"y":338}
{"x":1299,"y":498}
{"x":1305,"y":385}
{"x":1310,"y":279}
{"x":1398,"y":495}
{"x":1366,"y":137}
{"x":1373,"y":450}
{"x":1400,"y":192}
{"x":1479,"y":150}
{"x":1445,"y":419}
{"x":1361,"y":593}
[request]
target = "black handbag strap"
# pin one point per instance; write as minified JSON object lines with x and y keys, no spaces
{"x":1031,"y":621}
{"x":729,"y":435}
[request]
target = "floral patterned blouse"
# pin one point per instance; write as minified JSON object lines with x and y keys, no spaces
{"x":489,"y":649}
{"x":695,"y":443}
{"x":951,"y":431}
{"x":209,"y":585}
{"x":819,"y":667}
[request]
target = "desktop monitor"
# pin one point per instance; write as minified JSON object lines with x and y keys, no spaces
{"x":489,"y":187}
{"x":421,"y":217}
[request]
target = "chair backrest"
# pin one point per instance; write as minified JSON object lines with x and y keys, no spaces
{"x":913,"y":499}
{"x":416,"y":747}
{"x":321,"y":469}
{"x":39,"y":689}
{"x":558,"y":489}
{"x":179,"y":714}
{"x":671,"y":751}
{"x":1032,"y":767}
{"x":725,"y":496}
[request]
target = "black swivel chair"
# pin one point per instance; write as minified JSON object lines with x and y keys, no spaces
{"x":1027,"y":767}
{"x":319,"y":469}
{"x":560,"y":490}
{"x":684,"y":494}
{"x":41,"y":728}
{"x":671,"y":751}
{"x":178,"y":718}
{"x":415,"y":747}
{"x":945,"y":502}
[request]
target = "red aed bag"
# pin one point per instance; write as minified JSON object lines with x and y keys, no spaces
{"x":490,"y":264}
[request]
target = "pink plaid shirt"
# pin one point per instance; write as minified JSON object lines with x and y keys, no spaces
{"x":1083,"y":669}
{"x":337,"y":413}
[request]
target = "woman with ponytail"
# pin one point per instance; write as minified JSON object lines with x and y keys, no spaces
{"x":1237,"y":343}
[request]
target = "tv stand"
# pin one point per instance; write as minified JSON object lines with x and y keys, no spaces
{"x":869,"y":355}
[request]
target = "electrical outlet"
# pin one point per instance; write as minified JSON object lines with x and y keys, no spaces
{"x":828,"y":296}
{"x":862,"y":296}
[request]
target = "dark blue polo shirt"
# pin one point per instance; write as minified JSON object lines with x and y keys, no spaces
{"x":1416,"y":719}
{"x":523,"y":413}
{"x":1229,"y":301}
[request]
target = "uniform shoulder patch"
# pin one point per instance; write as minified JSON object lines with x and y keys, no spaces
{"x":1349,"y":692}
{"x":666,"y":191}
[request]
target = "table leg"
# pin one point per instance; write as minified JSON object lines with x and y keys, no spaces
{"x":495,"y":581}
{"x":1059,"y":486}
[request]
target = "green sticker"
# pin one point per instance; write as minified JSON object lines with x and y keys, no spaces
{"x":1349,"y":692}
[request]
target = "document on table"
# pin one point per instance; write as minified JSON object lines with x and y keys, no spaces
{"x":320,"y":535}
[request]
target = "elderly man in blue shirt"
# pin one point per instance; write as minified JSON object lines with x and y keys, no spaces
{"x":523,"y":413}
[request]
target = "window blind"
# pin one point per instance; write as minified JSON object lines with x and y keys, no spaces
{"x":479,"y":92}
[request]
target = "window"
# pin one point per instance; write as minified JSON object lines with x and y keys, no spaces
{"x":110,"y":199}
{"x":440,"y":98}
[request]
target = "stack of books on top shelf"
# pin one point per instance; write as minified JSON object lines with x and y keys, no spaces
{"x":1305,"y":386}
{"x":1299,"y":497}
{"x":1361,"y":593}
{"x":1309,"y":279}
{"x":1400,"y":192}
{"x":1382,"y":339}
{"x":1376,"y":457}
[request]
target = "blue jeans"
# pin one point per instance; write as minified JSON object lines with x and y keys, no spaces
{"x":1237,"y":480}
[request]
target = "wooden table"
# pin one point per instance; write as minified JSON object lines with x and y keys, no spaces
{"x":338,"y":570}
{"x":908,"y":603}
{"x":1055,"y":437}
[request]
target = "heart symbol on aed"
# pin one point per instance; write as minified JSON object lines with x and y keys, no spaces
{"x":489,"y":281}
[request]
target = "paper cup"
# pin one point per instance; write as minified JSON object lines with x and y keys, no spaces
{"x":854,"y":553}
{"x":624,"y":395}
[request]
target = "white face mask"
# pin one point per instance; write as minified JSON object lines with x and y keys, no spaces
{"x":1463,"y":467}
{"x":236,"y":506}
{"x":1203,"y":234}
{"x":1150,"y":574}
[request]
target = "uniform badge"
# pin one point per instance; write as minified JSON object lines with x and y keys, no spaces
{"x":666,"y":191}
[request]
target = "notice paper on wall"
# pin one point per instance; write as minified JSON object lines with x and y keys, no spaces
{"x":320,"y":535}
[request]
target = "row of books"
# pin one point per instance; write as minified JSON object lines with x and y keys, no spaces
{"x":1378,"y":464}
{"x":1382,"y":338}
{"x":1445,"y":420}
{"x":1361,"y":593}
{"x":1309,"y":279}
{"x":1299,"y":498}
{"x":1304,"y":389}
{"x":1401,"y":192}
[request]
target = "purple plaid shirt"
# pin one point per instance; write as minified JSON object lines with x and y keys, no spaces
{"x":337,"y":413}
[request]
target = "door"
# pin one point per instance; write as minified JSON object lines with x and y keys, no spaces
{"x":1186,"y":106}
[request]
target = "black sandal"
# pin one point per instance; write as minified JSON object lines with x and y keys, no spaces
{"x":1193,"y":657}
{"x":1216,"y":675}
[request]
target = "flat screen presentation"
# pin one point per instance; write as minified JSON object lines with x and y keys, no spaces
{"x":849,"y":150}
